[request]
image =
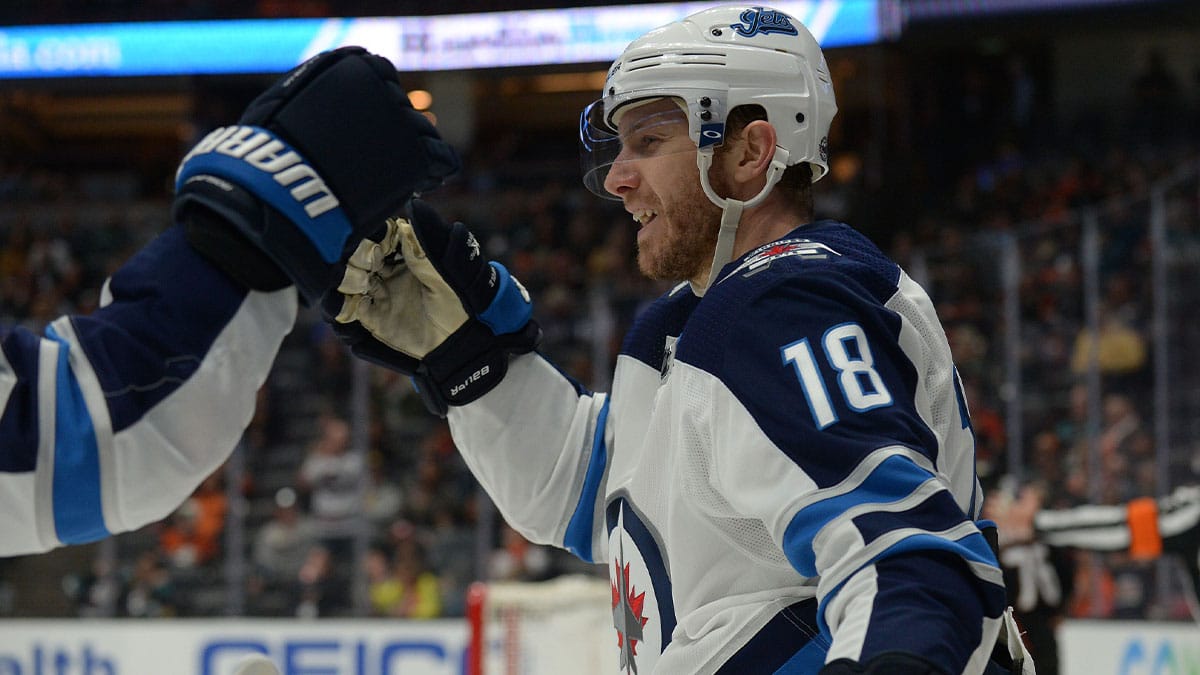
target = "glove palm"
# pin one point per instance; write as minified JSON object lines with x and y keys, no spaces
{"x":421,"y":299}
{"x":399,"y":297}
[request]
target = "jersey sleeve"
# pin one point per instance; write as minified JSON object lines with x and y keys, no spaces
{"x":539,"y":445}
{"x":817,"y":431}
{"x":111,"y":420}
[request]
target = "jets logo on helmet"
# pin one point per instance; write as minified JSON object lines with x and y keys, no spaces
{"x":612,"y":71}
{"x":761,"y":20}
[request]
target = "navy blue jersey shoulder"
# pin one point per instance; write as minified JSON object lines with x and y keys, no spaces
{"x":825,"y":245}
{"x":799,"y":333}
{"x":666,"y":316}
{"x":170,"y":307}
{"x":822,"y":257}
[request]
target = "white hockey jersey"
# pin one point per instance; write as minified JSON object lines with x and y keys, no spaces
{"x":782,"y":475}
{"x":111,"y":420}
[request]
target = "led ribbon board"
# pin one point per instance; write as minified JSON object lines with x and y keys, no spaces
{"x":424,"y":43}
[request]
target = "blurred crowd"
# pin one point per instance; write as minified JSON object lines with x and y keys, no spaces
{"x":319,"y":476}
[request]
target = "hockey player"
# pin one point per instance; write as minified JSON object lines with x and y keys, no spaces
{"x":782,"y":478}
{"x":111,"y":420}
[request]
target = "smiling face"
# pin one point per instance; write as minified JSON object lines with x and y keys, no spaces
{"x":655,"y":175}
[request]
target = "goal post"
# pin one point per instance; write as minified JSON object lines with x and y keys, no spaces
{"x":563,"y":625}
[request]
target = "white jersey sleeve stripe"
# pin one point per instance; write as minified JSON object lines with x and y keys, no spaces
{"x":43,"y":502}
{"x":8,"y":380}
{"x":963,"y":540}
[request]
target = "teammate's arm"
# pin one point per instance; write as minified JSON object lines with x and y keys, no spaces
{"x":110,"y":420}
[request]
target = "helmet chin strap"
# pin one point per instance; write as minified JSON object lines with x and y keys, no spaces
{"x":731,"y":210}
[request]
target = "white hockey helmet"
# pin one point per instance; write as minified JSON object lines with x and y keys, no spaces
{"x":711,"y":62}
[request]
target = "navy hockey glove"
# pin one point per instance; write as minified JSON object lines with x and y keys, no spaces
{"x":316,"y":162}
{"x":420,"y":298}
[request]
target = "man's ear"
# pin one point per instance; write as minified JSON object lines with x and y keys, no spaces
{"x":755,"y":150}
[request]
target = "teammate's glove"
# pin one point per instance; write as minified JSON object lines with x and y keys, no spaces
{"x":316,"y":162}
{"x":420,"y":298}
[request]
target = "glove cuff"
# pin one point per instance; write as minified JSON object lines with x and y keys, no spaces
{"x":266,"y":190}
{"x":444,"y":378}
{"x":204,"y":200}
{"x":510,"y":308}
{"x":231,"y":252}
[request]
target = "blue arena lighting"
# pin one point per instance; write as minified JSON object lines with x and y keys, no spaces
{"x":446,"y":42}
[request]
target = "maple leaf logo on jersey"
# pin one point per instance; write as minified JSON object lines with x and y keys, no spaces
{"x":762,"y":257}
{"x":627,"y":617}
{"x":779,"y":249}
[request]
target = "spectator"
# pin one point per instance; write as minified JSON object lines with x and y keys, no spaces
{"x":332,"y":475}
{"x":322,"y":589}
{"x":192,"y":535}
{"x":517,"y":559}
{"x":378,"y":569}
{"x":150,"y":592}
{"x":93,"y":593}
{"x":1119,"y":348}
{"x":1123,"y":440}
{"x":409,"y":589}
{"x":281,"y":544}
{"x":383,"y":499}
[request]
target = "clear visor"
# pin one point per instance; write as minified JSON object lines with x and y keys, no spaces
{"x":636,"y":130}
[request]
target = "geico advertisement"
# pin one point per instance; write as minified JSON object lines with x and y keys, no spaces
{"x":212,"y":647}
{"x":1129,"y":648}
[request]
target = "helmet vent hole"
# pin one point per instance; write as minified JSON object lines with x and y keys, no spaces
{"x":800,"y":118}
{"x":716,"y":32}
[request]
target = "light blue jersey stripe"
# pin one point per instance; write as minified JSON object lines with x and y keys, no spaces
{"x":809,"y":659}
{"x":578,"y":537}
{"x":78,"y":514}
{"x":894,"y":479}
